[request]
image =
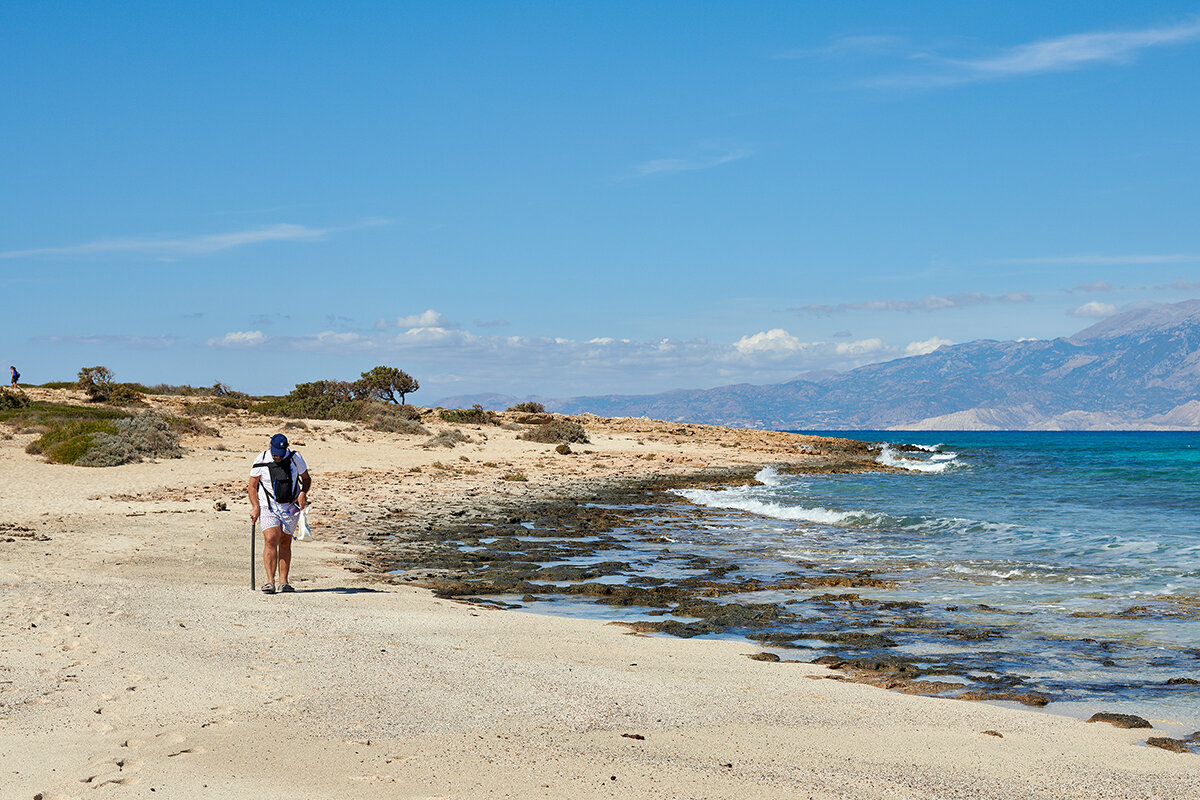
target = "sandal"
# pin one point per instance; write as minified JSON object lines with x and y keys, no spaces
{"x":285,"y":587}
{"x":268,"y":588}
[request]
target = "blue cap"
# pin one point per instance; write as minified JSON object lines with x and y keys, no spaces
{"x":279,"y":445}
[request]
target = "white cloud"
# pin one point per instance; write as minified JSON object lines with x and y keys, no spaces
{"x":239,"y":339}
{"x":774,"y":341}
{"x":863,"y":347}
{"x":1058,"y":54}
{"x":188,"y":245}
{"x":927,"y":346}
{"x":689,"y":163}
{"x":1093,"y":310}
{"x":428,"y":318}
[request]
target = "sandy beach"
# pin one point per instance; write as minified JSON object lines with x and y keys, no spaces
{"x":137,"y":662}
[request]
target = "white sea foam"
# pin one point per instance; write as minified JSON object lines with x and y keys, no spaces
{"x":929,"y":448}
{"x":769,"y":476}
{"x":741,"y":500}
{"x":888,"y":458}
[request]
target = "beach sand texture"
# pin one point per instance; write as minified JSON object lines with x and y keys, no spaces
{"x":135,"y":661}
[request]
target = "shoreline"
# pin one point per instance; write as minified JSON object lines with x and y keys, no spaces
{"x":569,"y":556}
{"x":136,"y":657}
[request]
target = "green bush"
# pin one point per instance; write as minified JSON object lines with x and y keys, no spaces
{"x":389,"y":419}
{"x":207,"y":409}
{"x":95,"y":382}
{"x":145,"y":436}
{"x":11,"y":399}
{"x":64,"y":443}
{"x":476,"y":415}
{"x":125,"y":394}
{"x":59,"y":385}
{"x":560,"y":430}
{"x":528,"y":406}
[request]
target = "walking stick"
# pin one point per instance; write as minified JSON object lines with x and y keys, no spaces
{"x":252,"y":581}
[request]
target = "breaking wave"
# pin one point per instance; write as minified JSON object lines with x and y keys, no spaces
{"x":888,"y":457}
{"x":740,"y":498}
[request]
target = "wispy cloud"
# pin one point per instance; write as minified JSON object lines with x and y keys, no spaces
{"x":190,"y":245}
{"x":239,"y":339}
{"x":689,"y":163}
{"x":1117,"y":260}
{"x":931,"y":302}
{"x":841,"y":46}
{"x":1182,"y":285}
{"x":115,"y":340}
{"x":1091,"y":288}
{"x":1060,"y":54}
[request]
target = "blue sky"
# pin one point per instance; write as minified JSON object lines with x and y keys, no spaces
{"x":564,"y":199}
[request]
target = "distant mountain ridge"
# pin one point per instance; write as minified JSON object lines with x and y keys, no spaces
{"x":1137,"y":370}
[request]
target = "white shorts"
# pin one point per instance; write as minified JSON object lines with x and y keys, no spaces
{"x":280,"y":516}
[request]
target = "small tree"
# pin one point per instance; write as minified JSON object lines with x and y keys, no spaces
{"x":97,"y":382}
{"x":384,"y":383}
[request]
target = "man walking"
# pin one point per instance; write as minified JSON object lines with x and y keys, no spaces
{"x":278,"y":490}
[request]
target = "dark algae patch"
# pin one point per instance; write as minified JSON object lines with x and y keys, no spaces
{"x":624,"y":548}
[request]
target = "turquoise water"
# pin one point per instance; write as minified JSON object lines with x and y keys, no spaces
{"x":1066,"y":564}
{"x":1077,"y":554}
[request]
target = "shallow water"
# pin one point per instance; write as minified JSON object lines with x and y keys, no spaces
{"x":1068,"y":560}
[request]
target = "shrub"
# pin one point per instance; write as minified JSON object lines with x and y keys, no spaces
{"x":191,"y":427}
{"x":166,"y":388}
{"x":563,"y":449}
{"x":207,"y":410}
{"x":222,"y":390}
{"x":95,"y":382}
{"x":11,"y":399}
{"x":514,"y":476}
{"x":145,"y":436}
{"x":123,"y":394}
{"x":60,"y":385}
{"x":476,"y":415}
{"x":384,"y":383}
{"x":408,"y":412}
{"x":389,"y":422}
{"x":66,"y":442}
{"x":560,"y":430}
{"x":447,"y":439}
{"x":528,"y":406}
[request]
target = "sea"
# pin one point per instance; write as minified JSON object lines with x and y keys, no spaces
{"x":1071,"y":559}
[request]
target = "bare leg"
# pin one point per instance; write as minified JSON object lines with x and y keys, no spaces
{"x":285,"y":556}
{"x":271,"y":548}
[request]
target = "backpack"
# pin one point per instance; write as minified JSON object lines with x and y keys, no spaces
{"x":282,"y":486}
{"x":16,"y":376}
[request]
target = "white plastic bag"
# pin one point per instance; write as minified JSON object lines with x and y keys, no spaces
{"x":303,"y":529}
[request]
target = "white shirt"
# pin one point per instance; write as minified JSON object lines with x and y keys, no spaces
{"x":264,"y":474}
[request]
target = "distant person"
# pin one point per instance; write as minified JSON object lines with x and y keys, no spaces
{"x":16,"y":376}
{"x":278,"y":490}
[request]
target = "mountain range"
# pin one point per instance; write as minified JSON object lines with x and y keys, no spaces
{"x":1139,"y":370}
